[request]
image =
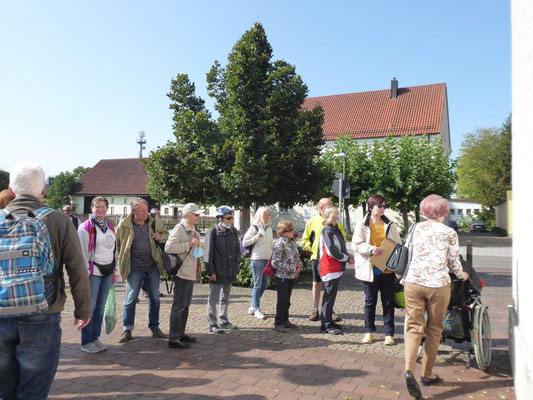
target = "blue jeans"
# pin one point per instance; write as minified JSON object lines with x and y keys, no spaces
{"x":29,"y":354}
{"x":100,"y":286}
{"x":135,"y":280}
{"x":260,"y":282}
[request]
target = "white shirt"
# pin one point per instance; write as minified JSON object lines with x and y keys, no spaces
{"x":104,"y":248}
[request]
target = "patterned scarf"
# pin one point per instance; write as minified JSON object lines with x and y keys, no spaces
{"x":101,"y":224}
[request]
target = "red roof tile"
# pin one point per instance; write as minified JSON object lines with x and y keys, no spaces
{"x":417,"y":110}
{"x":117,"y":176}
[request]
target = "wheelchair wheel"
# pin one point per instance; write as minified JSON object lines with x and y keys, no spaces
{"x":421,"y":347}
{"x":481,"y":336}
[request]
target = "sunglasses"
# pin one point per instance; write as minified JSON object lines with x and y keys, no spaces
{"x":381,"y":206}
{"x":228,"y":218}
{"x":289,"y":230}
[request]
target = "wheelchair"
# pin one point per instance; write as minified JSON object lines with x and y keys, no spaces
{"x":467,"y":319}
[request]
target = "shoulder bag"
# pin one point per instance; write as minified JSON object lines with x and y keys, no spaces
{"x":399,"y":258}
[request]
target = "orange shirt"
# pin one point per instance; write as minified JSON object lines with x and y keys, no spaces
{"x":377,"y":236}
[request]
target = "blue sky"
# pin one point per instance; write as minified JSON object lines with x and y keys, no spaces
{"x":79,"y":80}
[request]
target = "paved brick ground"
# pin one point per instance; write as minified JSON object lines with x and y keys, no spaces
{"x":255,"y":362}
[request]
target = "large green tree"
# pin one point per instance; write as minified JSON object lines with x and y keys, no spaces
{"x":410,"y":168}
{"x":358,"y":166}
{"x":404,"y":170}
{"x":262,"y":149}
{"x":484,"y":165}
{"x":62,"y":186}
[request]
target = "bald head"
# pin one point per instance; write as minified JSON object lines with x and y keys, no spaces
{"x":323,"y":204}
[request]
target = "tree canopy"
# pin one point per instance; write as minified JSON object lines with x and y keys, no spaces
{"x":263,"y":148}
{"x":404,"y":170}
{"x":4,"y":179}
{"x":63,"y":184}
{"x":484,"y":165}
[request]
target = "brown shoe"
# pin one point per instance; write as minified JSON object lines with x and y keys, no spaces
{"x":314,"y":316}
{"x":125,"y":337}
{"x":158,"y":334}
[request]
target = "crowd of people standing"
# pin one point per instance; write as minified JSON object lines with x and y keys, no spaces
{"x":133,"y":252}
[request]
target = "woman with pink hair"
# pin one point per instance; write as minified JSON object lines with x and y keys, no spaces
{"x":434,"y":253}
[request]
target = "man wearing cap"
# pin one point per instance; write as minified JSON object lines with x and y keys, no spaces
{"x":221,"y":259}
{"x":67,"y":209}
{"x":185,"y":242}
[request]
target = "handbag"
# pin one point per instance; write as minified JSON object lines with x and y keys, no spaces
{"x":399,"y":258}
{"x":269,"y":270}
{"x":106,"y":269}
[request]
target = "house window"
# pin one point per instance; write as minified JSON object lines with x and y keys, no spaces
{"x":125,"y":210}
{"x":452,"y":211}
{"x":284,"y":210}
{"x":112,"y":200}
{"x":125,"y":200}
{"x":468,"y":211}
{"x":460,"y":211}
{"x":206,"y":211}
{"x":165,"y":210}
{"x":112,"y":210}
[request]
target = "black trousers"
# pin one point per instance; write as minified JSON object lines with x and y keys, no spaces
{"x":284,"y":289}
{"x":384,"y":284}
{"x":328,"y":301}
{"x":179,"y":312}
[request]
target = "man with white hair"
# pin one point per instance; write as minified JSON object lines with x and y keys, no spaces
{"x":140,"y":259}
{"x":30,"y":343}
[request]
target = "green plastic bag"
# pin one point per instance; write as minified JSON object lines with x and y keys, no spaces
{"x":110,"y":313}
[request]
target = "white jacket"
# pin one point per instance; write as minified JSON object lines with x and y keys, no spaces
{"x":361,"y":246}
{"x":263,"y":246}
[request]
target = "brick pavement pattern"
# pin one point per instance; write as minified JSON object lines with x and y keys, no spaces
{"x":255,"y":362}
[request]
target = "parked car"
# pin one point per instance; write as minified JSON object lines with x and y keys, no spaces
{"x":478,"y":226}
{"x":454,"y":225}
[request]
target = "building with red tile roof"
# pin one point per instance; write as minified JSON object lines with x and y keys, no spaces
{"x":416,"y":110}
{"x":119,"y":180}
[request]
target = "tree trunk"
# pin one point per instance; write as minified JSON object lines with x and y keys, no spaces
{"x":364,"y":208}
{"x":405,"y":214}
{"x":417,"y":214}
{"x":244,"y":222}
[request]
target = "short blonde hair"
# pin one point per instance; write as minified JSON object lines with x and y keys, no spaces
{"x":284,"y":226}
{"x":330,"y":215}
{"x":259,"y":217}
{"x":97,"y":200}
{"x":434,"y":206}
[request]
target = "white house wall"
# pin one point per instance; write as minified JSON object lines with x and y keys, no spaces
{"x":521,"y":317}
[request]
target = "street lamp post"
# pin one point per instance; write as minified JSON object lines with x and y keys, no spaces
{"x":342,"y":155}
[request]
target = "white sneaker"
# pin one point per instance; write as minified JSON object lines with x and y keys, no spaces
{"x":100,"y":345}
{"x":259,"y":315}
{"x":251,"y":311}
{"x":90,"y":348}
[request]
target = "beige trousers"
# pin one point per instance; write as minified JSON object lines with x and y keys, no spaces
{"x":419,"y":299}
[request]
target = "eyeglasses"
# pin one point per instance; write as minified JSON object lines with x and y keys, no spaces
{"x":289,"y":230}
{"x":381,"y":206}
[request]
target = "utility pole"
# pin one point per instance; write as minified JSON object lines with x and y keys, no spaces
{"x":141,"y":141}
{"x":342,"y":155}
